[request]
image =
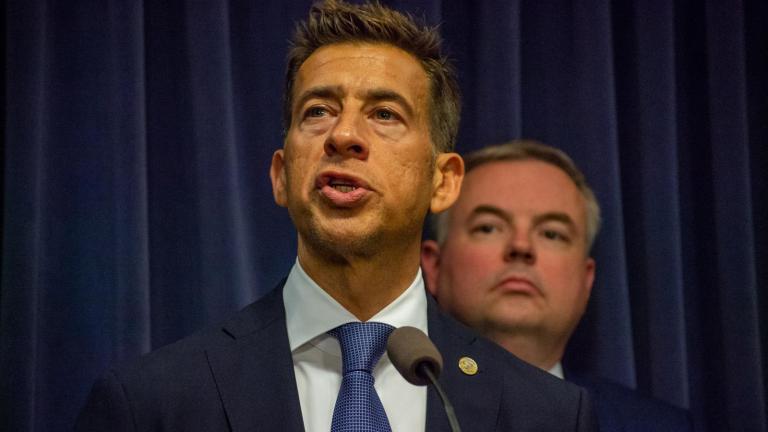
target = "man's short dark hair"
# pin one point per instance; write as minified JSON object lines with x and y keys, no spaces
{"x":334,"y":21}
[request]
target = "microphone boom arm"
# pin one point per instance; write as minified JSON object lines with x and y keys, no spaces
{"x":424,"y":369}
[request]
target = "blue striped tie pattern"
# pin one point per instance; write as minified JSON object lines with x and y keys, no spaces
{"x":358,"y":407}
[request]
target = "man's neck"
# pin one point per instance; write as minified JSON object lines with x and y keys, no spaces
{"x":363,"y":285}
{"x":532,"y":349}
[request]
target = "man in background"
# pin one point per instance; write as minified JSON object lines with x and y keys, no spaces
{"x":371,"y":115}
{"x":512,"y":260}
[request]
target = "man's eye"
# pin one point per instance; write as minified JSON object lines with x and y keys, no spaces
{"x":316,"y":112}
{"x":484,"y":229}
{"x":384,"y":114}
{"x":555,"y":235}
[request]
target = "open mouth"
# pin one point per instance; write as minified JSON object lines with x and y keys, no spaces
{"x":342,"y":190}
{"x":342,"y":185}
{"x":340,"y":182}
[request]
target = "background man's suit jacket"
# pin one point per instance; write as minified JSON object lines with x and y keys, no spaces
{"x":240,"y":377}
{"x":621,"y":409}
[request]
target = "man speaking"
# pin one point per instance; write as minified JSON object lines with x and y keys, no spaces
{"x":371,"y":114}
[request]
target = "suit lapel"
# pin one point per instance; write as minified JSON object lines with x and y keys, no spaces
{"x":476,"y":397}
{"x":254,"y":373}
{"x":259,"y":391}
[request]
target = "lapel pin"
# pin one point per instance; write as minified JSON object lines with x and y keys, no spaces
{"x":468,"y":365}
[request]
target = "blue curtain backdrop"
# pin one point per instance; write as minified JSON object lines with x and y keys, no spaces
{"x":136,"y":205}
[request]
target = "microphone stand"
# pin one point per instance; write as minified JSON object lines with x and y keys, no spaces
{"x":424,"y":369}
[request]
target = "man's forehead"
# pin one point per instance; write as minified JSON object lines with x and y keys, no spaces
{"x":521,"y":186}
{"x":354,"y":51}
{"x":361,"y":51}
{"x":357,"y":66}
{"x":539,"y":177}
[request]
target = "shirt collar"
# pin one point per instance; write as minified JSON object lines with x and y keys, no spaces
{"x":557,"y":370}
{"x":310,"y":312}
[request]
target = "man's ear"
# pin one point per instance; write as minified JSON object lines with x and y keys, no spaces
{"x":446,"y":184}
{"x":277,"y":175}
{"x":430,"y":264}
{"x":589,"y":277}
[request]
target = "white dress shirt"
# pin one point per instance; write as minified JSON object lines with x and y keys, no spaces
{"x":557,"y":370}
{"x":310,"y":313}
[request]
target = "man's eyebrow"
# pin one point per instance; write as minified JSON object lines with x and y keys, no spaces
{"x":538,"y":219}
{"x":492,"y":210}
{"x":320,"y":92}
{"x":382,"y":94}
{"x":557,"y":217}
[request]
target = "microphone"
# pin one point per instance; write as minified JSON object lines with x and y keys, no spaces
{"x":420,"y":363}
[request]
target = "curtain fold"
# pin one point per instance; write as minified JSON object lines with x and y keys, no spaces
{"x":137,"y":206}
{"x":733,"y":225}
{"x":646,"y":103}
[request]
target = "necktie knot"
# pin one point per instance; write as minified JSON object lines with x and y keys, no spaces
{"x":362,"y":344}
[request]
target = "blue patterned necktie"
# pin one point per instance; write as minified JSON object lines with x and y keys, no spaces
{"x":358,"y":407}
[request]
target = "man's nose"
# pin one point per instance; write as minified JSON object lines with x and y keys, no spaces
{"x":345,"y":138}
{"x":520,"y":248}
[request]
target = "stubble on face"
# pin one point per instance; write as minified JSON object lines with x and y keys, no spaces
{"x":398,"y":167}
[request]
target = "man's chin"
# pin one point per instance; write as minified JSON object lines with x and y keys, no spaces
{"x":344,"y":241}
{"x":518,"y":320}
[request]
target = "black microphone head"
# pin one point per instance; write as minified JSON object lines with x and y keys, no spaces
{"x":408,"y":347}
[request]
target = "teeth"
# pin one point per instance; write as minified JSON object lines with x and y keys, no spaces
{"x":343,"y":188}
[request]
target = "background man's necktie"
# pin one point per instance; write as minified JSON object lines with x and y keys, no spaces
{"x":358,"y":407}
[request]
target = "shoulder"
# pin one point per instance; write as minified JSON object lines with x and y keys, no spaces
{"x":621,"y":408}
{"x":185,"y":361}
{"x":524,"y":397}
{"x":258,"y":315}
{"x":181,"y":375}
{"x":455,"y":337}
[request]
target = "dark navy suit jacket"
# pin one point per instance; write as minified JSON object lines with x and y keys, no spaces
{"x":239,"y":377}
{"x":621,"y":409}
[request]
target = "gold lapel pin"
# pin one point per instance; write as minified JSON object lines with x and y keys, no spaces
{"x":468,"y":365}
